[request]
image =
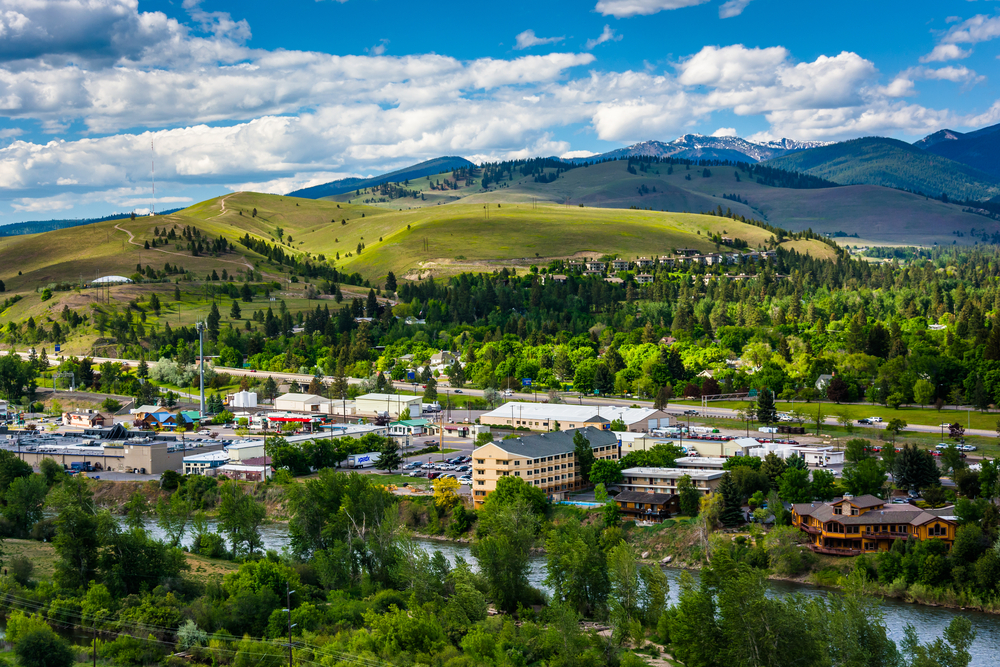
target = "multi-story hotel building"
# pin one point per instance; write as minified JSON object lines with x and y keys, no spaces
{"x":546,"y":460}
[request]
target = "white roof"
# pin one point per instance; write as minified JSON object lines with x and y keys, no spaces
{"x":111,"y":279}
{"x":392,"y":398}
{"x":242,"y":467}
{"x":303,"y":398}
{"x":672,"y":472}
{"x":715,"y":462}
{"x":207,"y":457}
{"x":245,"y":444}
{"x":571,"y":413}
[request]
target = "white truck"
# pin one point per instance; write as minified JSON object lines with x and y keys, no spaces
{"x":363,"y":460}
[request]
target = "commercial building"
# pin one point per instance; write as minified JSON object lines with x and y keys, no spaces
{"x":817,"y":457}
{"x":116,"y":449}
{"x":412,"y":427}
{"x":664,"y":480}
{"x":83,"y":418}
{"x":205,"y":463}
{"x":546,"y":460}
{"x":700,"y":463}
{"x":393,"y":404}
{"x":865,"y":524}
{"x":257,"y":469}
{"x":545,"y":417}
{"x":649,"y":507}
{"x":302,"y":403}
{"x":248,"y":449}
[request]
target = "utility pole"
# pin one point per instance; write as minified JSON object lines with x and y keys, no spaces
{"x":200,"y":326}
{"x":288,"y":597}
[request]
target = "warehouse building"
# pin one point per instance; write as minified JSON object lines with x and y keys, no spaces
{"x":561,"y":416}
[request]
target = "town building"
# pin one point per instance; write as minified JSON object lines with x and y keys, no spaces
{"x":545,"y":460}
{"x":257,"y":469}
{"x":647,"y":507}
{"x":700,"y":462}
{"x":619,"y":264}
{"x":411,"y":427}
{"x":247,"y":449}
{"x":644,"y":279}
{"x":664,"y":480}
{"x":545,"y":416}
{"x":393,"y":404}
{"x":865,"y":524}
{"x":205,"y":463}
{"x":83,"y":418}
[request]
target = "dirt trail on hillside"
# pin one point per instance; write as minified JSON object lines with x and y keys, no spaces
{"x":131,"y":240}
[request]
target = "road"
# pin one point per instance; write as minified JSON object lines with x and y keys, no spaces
{"x":571,"y":398}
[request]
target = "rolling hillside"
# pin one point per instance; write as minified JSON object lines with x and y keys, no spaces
{"x":876,"y":214}
{"x":893,"y":164}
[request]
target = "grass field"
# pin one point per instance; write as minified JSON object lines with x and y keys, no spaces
{"x":43,"y":556}
{"x":911,"y":415}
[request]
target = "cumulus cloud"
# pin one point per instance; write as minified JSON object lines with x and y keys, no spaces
{"x":225,"y":115}
{"x":608,"y":35}
{"x":528,"y":39}
{"x":733,"y":8}
{"x":624,"y":8}
{"x":725,"y":132}
{"x":945,"y":52}
{"x":980,"y":28}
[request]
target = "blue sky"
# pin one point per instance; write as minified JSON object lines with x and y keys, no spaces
{"x":275,"y":96}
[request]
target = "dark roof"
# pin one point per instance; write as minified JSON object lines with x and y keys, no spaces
{"x":908,"y":514}
{"x":641,"y":497}
{"x":555,"y":442}
{"x":865,"y":501}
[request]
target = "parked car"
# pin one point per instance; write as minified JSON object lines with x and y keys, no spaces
{"x":465,"y":480}
{"x":968,"y":448}
{"x":433,"y":475}
{"x":865,"y":420}
{"x":691,"y":412}
{"x":876,"y":420}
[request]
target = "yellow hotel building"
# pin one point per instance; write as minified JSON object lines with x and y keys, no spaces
{"x":866,"y":524}
{"x":546,"y":460}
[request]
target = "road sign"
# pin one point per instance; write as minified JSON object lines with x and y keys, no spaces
{"x":57,"y":348}
{"x":526,"y":382}
{"x":410,"y":375}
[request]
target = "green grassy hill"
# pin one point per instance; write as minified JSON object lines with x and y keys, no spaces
{"x":893,"y":164}
{"x":876,"y":214}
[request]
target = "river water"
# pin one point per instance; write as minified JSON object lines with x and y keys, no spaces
{"x":930,"y":622}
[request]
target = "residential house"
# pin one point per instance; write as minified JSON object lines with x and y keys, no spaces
{"x":614,"y":280}
{"x":644,"y":263}
{"x":650,"y":507}
{"x":865,"y":524}
{"x":644,"y":279}
{"x":596,"y":266}
{"x":619,"y":265}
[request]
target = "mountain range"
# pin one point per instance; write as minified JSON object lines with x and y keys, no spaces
{"x":979,"y":149}
{"x":702,"y":147}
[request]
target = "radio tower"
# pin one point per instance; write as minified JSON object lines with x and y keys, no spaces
{"x":152,"y":176}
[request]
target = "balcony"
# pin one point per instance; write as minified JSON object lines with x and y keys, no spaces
{"x":886,"y":536}
{"x":833,"y":551}
{"x":812,"y":530}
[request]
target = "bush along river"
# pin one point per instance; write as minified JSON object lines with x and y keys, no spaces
{"x":930,"y":622}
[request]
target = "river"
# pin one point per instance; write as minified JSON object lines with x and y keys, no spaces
{"x":930,"y":622}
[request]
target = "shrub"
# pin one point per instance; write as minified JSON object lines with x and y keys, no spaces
{"x":43,"y":648}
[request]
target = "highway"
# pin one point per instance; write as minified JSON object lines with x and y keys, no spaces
{"x":567,"y":397}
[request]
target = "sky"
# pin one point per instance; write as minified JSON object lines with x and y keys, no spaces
{"x":274,"y":96}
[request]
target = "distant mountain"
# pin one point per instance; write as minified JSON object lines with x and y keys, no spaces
{"x":979,"y":149}
{"x":701,"y":147}
{"x":344,"y":185}
{"x":893,"y":164}
{"x":39,"y":226}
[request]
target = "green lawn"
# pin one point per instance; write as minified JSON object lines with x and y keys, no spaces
{"x":911,"y":415}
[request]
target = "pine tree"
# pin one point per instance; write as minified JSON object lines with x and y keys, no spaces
{"x":234,"y":312}
{"x":766,"y":412}
{"x":732,"y":501}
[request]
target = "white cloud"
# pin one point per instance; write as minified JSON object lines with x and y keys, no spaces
{"x":608,"y":35}
{"x":950,"y":73}
{"x":979,"y":28}
{"x":945,"y":52}
{"x":625,"y":8}
{"x":378,"y":49}
{"x":733,"y":8}
{"x":527,"y":39}
{"x":901,"y":86}
{"x":726,"y":132}
{"x":39,"y":204}
{"x":576,"y":154}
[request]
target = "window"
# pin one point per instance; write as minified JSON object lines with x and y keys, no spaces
{"x":837,"y":510}
{"x":480,"y":461}
{"x":480,"y":472}
{"x":517,"y":473}
{"x":937,"y":530}
{"x":854,"y":512}
{"x":480,"y":482}
{"x":517,"y":463}
{"x":869,"y":546}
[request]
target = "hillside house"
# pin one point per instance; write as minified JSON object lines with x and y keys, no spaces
{"x":649,"y":507}
{"x":852,"y":525}
{"x":619,"y":265}
{"x":644,"y":279}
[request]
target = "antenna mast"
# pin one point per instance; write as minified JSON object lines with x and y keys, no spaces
{"x":152,"y":176}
